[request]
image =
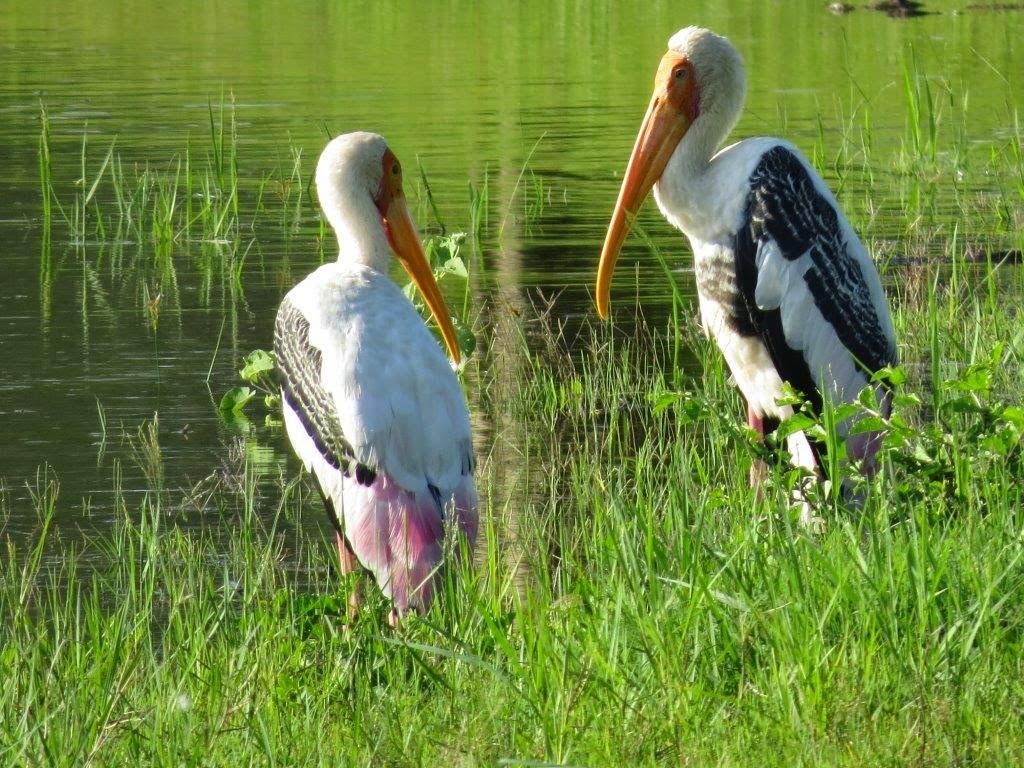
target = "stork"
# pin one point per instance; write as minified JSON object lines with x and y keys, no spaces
{"x":371,"y":404}
{"x":784,"y":285}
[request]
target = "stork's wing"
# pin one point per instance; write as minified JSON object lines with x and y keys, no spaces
{"x":808,"y":287}
{"x":370,"y":382}
{"x":299,"y":367}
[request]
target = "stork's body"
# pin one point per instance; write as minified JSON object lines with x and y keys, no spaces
{"x":371,"y":405}
{"x":784,"y":284}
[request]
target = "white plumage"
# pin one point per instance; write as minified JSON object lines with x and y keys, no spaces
{"x":784,"y":284}
{"x":398,"y":403}
{"x":371,"y":404}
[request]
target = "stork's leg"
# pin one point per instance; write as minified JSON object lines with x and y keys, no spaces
{"x":347,"y":560}
{"x":348,"y":563}
{"x":758,"y":469}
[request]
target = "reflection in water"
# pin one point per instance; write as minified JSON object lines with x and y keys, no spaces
{"x":511,"y":465}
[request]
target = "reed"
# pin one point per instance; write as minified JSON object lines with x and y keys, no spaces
{"x":116,"y":200}
{"x":479,"y":204}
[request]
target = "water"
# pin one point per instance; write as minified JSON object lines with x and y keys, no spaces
{"x":467,"y":91}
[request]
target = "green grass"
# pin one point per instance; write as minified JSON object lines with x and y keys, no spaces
{"x":117,"y":201}
{"x":632,"y":601}
{"x":636,"y":605}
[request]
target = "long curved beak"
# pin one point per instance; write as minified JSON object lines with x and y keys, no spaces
{"x":406,"y":244}
{"x":662,"y":128}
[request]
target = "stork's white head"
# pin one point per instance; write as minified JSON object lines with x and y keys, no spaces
{"x":359,"y":183}
{"x":698,"y":96}
{"x":348,"y":183}
{"x":719,"y":76}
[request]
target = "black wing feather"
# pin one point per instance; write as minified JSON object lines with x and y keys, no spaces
{"x":784,"y":206}
{"x":298,"y":372}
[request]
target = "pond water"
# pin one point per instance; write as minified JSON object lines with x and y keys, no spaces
{"x":474,"y":93}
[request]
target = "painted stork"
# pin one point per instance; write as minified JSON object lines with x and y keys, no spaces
{"x":371,"y":404}
{"x":785,"y":287}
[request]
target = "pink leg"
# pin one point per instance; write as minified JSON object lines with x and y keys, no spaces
{"x":758,"y":469}
{"x":347,"y":563}
{"x":346,"y":558}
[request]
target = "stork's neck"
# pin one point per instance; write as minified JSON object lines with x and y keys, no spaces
{"x":359,"y":228}
{"x":685,"y":191}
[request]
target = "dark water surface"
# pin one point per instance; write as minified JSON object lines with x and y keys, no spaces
{"x":470,"y":91}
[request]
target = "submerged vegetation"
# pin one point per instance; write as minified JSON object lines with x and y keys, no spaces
{"x":633,"y":600}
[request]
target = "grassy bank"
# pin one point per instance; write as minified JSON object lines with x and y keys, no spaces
{"x":638,"y":605}
{"x":632,"y":600}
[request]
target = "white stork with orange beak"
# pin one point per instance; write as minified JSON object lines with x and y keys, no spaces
{"x":785,"y":287}
{"x":371,"y":404}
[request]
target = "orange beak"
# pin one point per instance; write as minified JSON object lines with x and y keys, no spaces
{"x":667,"y":120}
{"x":406,"y":244}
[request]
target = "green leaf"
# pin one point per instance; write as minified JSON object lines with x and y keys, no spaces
{"x":867,"y":424}
{"x":258,"y":363}
{"x":798,"y":422}
{"x":895,"y":376}
{"x":235,"y":399}
{"x":906,"y":400}
{"x":663,"y":401}
{"x":1013,"y":414}
{"x":977,"y":378}
{"x":790,"y":396}
{"x":920,"y":453}
{"x":455,"y":266}
{"x":844,"y":411}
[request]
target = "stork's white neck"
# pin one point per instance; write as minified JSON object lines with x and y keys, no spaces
{"x":359,"y":228}
{"x":684,"y":193}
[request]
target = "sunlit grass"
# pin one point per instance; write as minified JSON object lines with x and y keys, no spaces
{"x":632,"y":600}
{"x":118,"y":201}
{"x":646,"y":608}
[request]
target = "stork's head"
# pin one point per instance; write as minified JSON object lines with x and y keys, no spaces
{"x":359,"y":183}
{"x":700,"y":82}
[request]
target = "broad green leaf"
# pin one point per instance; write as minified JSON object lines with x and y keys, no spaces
{"x":455,"y":266}
{"x":257,"y":363}
{"x":665,"y":400}
{"x":798,"y":422}
{"x":235,"y":399}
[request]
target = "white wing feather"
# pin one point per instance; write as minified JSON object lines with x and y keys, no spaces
{"x":398,"y":401}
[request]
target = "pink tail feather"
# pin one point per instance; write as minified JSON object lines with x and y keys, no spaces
{"x":399,"y":535}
